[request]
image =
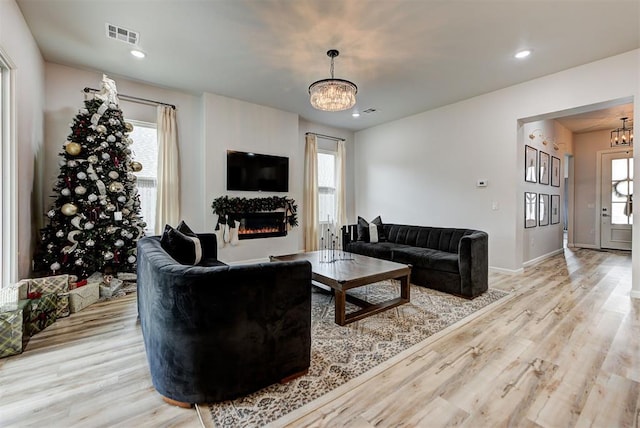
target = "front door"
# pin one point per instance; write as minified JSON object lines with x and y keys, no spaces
{"x":616,"y":200}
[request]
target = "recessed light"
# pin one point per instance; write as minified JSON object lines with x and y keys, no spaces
{"x":138,"y":53}
{"x":523,"y":53}
{"x":355,"y":114}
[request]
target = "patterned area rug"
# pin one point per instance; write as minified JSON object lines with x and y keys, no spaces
{"x":340,"y":354}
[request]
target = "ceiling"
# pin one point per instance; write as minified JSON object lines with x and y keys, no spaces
{"x":406,"y":56}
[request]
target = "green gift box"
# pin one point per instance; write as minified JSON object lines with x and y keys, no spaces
{"x":43,"y":313}
{"x":10,"y":333}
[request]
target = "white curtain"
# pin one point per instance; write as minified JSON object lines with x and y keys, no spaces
{"x":341,"y":185}
{"x":311,"y":226}
{"x":168,"y":201}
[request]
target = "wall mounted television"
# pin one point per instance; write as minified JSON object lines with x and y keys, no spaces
{"x":257,"y":172}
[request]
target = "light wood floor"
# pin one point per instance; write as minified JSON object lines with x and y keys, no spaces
{"x":562,"y":351}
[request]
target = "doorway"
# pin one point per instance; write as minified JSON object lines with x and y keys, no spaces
{"x":616,"y":200}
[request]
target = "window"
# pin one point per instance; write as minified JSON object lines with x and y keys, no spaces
{"x":8,"y":186}
{"x":326,"y":187}
{"x":145,"y":150}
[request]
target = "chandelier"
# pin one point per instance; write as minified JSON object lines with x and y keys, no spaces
{"x":333,"y":94}
{"x":622,"y":136}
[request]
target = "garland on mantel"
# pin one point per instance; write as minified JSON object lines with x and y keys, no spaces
{"x":225,"y":205}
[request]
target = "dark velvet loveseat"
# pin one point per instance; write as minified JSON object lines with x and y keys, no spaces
{"x":451,"y":260}
{"x":214,"y":332}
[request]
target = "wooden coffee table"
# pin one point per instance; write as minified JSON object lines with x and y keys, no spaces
{"x":343,"y":275}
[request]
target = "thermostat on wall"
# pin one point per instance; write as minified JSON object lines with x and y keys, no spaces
{"x":481,"y":183}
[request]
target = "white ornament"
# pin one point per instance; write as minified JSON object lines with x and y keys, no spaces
{"x":55,"y":266}
{"x":98,"y":169}
{"x":111,"y":138}
{"x":101,"y":129}
{"x":104,"y":145}
{"x":72,"y":164}
{"x":51,"y":214}
{"x":65,"y":192}
{"x":108,"y":255}
{"x":78,"y":262}
{"x":106,"y":156}
{"x":113,"y":121}
{"x":124,"y":233}
{"x":91,"y":138}
{"x":129,"y":235}
{"x":92,"y":197}
{"x":131,"y":259}
{"x":59,"y":234}
{"x":90,"y":243}
{"x":50,"y":246}
{"x":81,"y":175}
{"x":122,"y":199}
{"x":110,"y":207}
{"x":88,"y":225}
{"x":113,"y":175}
{"x":119,"y":134}
{"x":80,"y":190}
{"x":119,"y":243}
{"x":93,"y":159}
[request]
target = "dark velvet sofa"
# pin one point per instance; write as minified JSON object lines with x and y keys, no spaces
{"x":214,"y":332}
{"x":451,"y":260}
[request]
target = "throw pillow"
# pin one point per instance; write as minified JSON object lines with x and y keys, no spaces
{"x":182,"y":227}
{"x":183,"y":248}
{"x":364,"y":231}
{"x":381,"y":235}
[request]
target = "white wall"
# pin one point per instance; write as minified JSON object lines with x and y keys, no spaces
{"x":542,"y":241}
{"x":18,"y":45}
{"x":231,"y":124}
{"x":422,"y":169}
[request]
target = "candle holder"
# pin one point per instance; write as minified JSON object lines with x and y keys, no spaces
{"x":331,"y":247}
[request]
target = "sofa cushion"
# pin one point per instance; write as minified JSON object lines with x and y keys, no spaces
{"x":426,"y":258}
{"x":363,"y":230}
{"x":183,"y":228}
{"x":183,"y":248}
{"x":380,"y":250}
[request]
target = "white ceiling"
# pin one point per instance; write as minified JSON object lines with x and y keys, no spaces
{"x":406,"y":56}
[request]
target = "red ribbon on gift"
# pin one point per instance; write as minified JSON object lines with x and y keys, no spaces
{"x":81,"y":283}
{"x":34,"y":295}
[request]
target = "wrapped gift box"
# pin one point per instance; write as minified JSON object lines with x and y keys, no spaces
{"x":59,"y":285}
{"x":14,"y":293}
{"x":108,"y":290}
{"x":84,"y":296}
{"x":10,"y":333}
{"x":127,"y":276}
{"x":42,"y":313}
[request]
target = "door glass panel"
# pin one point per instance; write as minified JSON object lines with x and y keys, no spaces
{"x":619,"y":213}
{"x":631,"y":168}
{"x":619,"y":169}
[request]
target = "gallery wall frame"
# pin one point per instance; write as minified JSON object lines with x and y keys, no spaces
{"x":530,"y":209}
{"x":543,"y":209}
{"x":555,"y":209}
{"x":555,"y":171}
{"x":530,"y":164}
{"x":543,"y":168}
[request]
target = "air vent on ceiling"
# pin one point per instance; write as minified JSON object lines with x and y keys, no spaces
{"x":370,"y":110}
{"x":122,"y":34}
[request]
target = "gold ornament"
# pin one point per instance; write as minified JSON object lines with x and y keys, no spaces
{"x":73,"y":149}
{"x":101,"y":129}
{"x":116,"y":187}
{"x":69,"y":209}
{"x":128,"y":126}
{"x":136,"y":166}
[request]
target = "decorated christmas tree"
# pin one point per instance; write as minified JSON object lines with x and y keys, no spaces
{"x":95,"y":221}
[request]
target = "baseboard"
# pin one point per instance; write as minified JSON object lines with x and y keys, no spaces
{"x":541,"y":258}
{"x":506,"y":271}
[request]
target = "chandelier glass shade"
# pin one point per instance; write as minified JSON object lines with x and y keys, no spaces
{"x":622,"y":136}
{"x":333,"y":94}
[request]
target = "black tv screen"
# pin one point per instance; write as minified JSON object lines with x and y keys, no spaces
{"x":256,"y":172}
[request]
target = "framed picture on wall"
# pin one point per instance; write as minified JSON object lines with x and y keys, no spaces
{"x":555,"y":171}
{"x":543,"y":168}
{"x":543,"y":209}
{"x":530,"y":209}
{"x":555,"y":209}
{"x":530,"y":164}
